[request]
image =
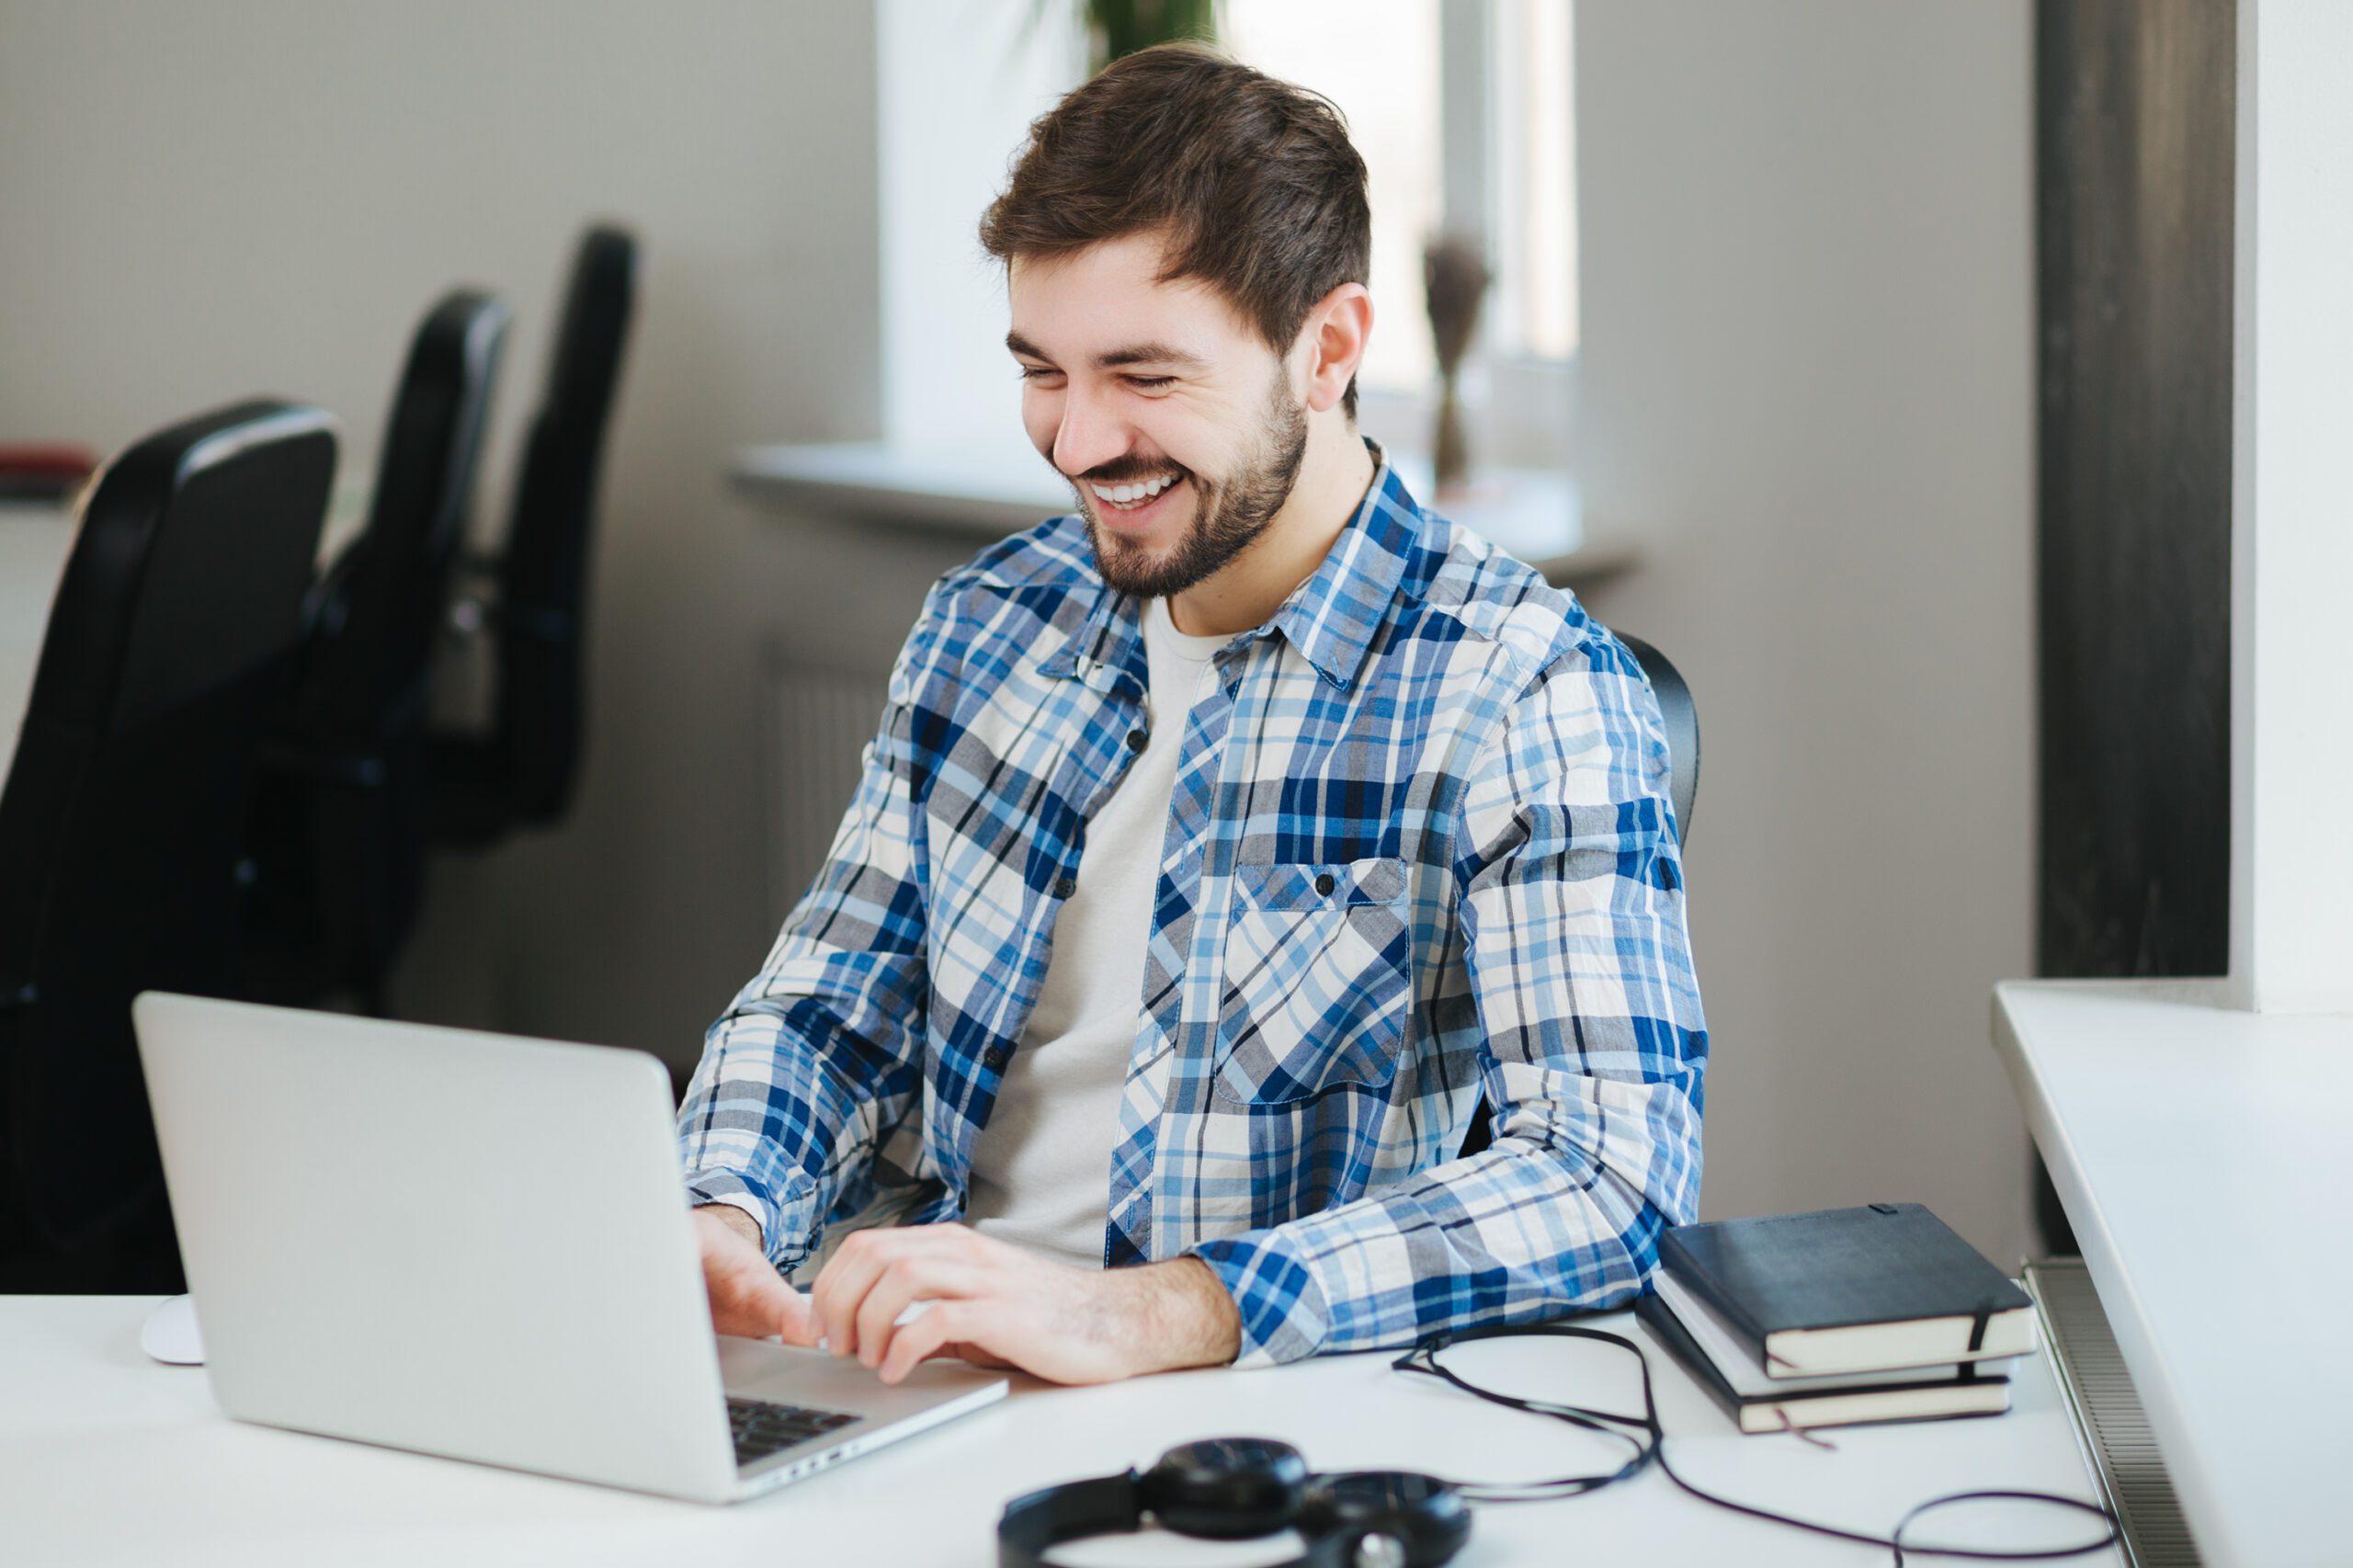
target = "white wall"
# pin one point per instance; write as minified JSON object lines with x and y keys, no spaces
{"x":1807,"y":377}
{"x":202,"y":201}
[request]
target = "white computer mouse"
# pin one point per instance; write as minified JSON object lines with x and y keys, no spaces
{"x":170,"y":1332}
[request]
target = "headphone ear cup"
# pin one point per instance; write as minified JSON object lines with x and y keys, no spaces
{"x":1425,"y":1517}
{"x":1227,"y":1489}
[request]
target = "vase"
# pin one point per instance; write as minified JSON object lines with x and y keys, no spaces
{"x":1450,"y":453}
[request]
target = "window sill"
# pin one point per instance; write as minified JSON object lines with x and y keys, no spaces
{"x":1535,"y":514}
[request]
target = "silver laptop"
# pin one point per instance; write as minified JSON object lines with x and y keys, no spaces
{"x":477,"y":1246}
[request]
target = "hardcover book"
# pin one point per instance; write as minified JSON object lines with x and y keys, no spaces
{"x":1843,"y":1290}
{"x":1766,"y":1404}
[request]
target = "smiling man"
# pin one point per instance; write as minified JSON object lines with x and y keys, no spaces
{"x":1223,"y":846}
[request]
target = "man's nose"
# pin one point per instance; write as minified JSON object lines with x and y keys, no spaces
{"x":1090,"y":435}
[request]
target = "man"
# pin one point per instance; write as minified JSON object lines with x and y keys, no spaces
{"x":1222,"y":845}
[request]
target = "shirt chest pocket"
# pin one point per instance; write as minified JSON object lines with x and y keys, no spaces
{"x":1317,"y":988}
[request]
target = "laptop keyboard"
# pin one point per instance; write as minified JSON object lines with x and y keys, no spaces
{"x":761,"y":1428}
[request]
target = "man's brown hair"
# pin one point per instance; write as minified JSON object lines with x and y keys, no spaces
{"x":1254,"y":180}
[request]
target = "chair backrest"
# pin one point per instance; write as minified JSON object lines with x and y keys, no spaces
{"x":367,"y":675}
{"x":122,"y":826}
{"x":1682,"y":717}
{"x":543,"y":578}
{"x":340,"y":837}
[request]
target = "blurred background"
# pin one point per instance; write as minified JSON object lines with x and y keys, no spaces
{"x":1755,"y":375}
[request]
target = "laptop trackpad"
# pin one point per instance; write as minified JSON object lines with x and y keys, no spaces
{"x":784,"y":1374}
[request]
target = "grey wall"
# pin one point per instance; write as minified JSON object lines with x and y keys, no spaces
{"x":199,"y":201}
{"x":1808,"y":328}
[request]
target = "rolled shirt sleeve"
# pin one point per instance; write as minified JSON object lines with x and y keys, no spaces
{"x":823,"y":1049}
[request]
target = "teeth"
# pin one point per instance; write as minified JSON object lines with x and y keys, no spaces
{"x":1124,"y":495}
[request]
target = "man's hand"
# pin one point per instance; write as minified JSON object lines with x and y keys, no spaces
{"x":998,"y":1305}
{"x":747,"y":1296}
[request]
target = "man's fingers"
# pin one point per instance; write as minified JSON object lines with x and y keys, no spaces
{"x":795,"y":1323}
{"x":942,"y":1324}
{"x":842,"y":1286}
{"x":749,"y":1298}
{"x":983,"y":1331}
{"x":899,"y":1286}
{"x":772,"y":1306}
{"x":738,"y":1307}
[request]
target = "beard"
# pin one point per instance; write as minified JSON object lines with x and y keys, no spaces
{"x":1229,"y":515}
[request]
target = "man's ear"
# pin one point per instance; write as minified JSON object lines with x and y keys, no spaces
{"x":1337,"y":327}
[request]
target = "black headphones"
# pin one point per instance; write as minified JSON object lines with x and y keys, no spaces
{"x":1232,"y":1488}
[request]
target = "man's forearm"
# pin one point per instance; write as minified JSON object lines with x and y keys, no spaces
{"x":737,"y":1220}
{"x":1181,"y":1314}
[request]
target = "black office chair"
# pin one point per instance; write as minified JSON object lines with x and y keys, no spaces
{"x":340,"y":829}
{"x":521,"y":773}
{"x":1681,"y":715}
{"x":122,"y":829}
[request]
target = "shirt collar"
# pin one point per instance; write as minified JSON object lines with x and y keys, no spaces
{"x":1332,"y":617}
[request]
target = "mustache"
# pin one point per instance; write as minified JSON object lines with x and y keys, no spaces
{"x":1121,"y":471}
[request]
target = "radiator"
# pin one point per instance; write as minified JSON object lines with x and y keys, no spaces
{"x":817,"y":723}
{"x":2110,"y":1420}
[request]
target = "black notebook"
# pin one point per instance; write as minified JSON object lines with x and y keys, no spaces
{"x":1758,"y":1404}
{"x":1851,"y":1289}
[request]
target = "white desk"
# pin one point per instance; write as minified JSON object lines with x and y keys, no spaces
{"x":2203,"y":1156}
{"x":108,"y":1459}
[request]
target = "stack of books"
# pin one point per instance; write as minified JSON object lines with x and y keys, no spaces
{"x":1846,"y":1315}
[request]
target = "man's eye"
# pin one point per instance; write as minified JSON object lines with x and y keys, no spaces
{"x":1151,"y":384}
{"x":1037,"y":373}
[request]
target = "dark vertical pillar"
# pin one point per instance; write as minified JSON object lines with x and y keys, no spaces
{"x":2133,"y":147}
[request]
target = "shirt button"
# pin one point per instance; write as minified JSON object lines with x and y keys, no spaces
{"x":1065,"y":886}
{"x":995,"y":1058}
{"x":1137,"y":740}
{"x":1324,"y":884}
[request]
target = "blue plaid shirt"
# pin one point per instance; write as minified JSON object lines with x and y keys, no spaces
{"x":1420,"y":850}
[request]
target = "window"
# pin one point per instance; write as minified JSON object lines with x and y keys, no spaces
{"x":1378,"y":59}
{"x":1531,"y":164}
{"x":1462,"y":110}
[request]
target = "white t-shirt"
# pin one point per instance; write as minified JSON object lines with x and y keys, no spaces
{"x":1042,"y":1168}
